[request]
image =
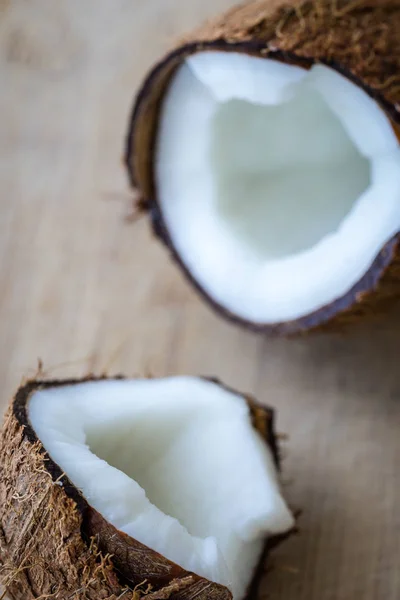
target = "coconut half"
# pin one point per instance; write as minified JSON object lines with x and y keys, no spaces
{"x":267,"y":151}
{"x":108,"y":484}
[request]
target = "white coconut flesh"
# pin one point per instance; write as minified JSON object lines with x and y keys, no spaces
{"x":278,"y":185}
{"x":175,"y":463}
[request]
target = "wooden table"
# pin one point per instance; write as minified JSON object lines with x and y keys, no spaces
{"x":84,"y":289}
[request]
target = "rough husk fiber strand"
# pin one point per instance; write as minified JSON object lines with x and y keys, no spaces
{"x":360,"y":39}
{"x":54,"y":545}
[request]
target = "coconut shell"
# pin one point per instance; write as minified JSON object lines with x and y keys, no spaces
{"x":54,"y":544}
{"x":358,"y":38}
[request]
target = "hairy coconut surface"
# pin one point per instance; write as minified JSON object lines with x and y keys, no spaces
{"x":358,"y":40}
{"x":54,"y":543}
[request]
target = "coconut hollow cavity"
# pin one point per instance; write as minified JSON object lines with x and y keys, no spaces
{"x":272,"y":177}
{"x":170,"y":477}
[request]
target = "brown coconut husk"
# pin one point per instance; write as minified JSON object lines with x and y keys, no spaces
{"x":53,"y":544}
{"x":358,"y":38}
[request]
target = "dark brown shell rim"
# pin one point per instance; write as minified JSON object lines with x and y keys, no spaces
{"x":371,"y":278}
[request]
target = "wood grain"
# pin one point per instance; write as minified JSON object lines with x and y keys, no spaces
{"x":83,"y":289}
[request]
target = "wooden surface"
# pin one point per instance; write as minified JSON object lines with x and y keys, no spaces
{"x":85,"y":290}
